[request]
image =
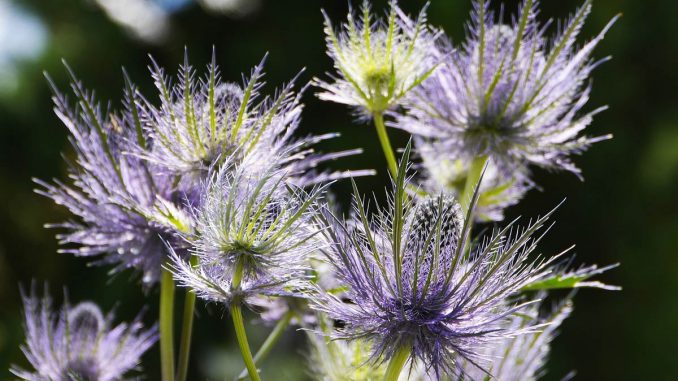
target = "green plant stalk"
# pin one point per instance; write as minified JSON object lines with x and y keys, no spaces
{"x":239,"y":325}
{"x":270,"y":341}
{"x":186,"y":330}
{"x":472,"y":178}
{"x":167,"y":325}
{"x":395,"y":366}
{"x":385,"y":143}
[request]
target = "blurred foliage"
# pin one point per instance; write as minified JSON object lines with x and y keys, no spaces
{"x":624,"y":212}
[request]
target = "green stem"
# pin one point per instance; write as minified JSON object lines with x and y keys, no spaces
{"x":472,"y":178}
{"x":385,"y":143}
{"x":186,"y":330}
{"x":236,"y":314}
{"x":167,"y":325}
{"x":395,"y":366}
{"x":270,"y":341}
{"x":239,"y":325}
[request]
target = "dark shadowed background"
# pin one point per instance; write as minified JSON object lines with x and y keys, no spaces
{"x":625,"y":211}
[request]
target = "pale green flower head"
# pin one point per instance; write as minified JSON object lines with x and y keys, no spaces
{"x":378,"y":62}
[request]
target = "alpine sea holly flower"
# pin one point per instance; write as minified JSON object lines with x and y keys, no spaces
{"x":522,"y":358}
{"x":417,"y":288}
{"x":510,"y":93}
{"x":253,"y":236}
{"x":79,"y":343}
{"x":377,"y":62}
{"x":111,"y":192}
{"x":441,"y":173}
{"x":201,"y":123}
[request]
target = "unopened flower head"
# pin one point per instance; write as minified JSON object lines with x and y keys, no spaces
{"x":112,"y":191}
{"x":510,"y":93}
{"x":79,"y":343}
{"x":200,"y":124}
{"x":499,"y":190}
{"x":253,"y":235}
{"x":412,"y":285}
{"x":522,"y":358}
{"x":377,"y":62}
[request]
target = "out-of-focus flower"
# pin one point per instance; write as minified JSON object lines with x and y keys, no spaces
{"x":79,"y":343}
{"x":253,"y":236}
{"x":112,"y":191}
{"x":377,"y":62}
{"x":521,"y":358}
{"x":442,"y":173}
{"x":510,"y":93}
{"x":415,"y":284}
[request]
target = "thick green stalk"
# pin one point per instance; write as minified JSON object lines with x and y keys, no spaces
{"x":167,"y":325}
{"x":386,"y":144}
{"x":395,"y":366}
{"x":239,"y":325}
{"x":472,"y":178}
{"x":270,"y":341}
{"x":186,"y":330}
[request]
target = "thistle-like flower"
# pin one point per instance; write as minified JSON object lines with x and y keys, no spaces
{"x":79,"y":343}
{"x":417,"y":287}
{"x":377,"y":62}
{"x":510,"y":93}
{"x":522,"y":358}
{"x":443,"y":173}
{"x":253,"y":236}
{"x":112,"y":191}
{"x":200,"y":124}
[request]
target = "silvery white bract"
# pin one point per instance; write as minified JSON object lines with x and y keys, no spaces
{"x":510,"y":92}
{"x":377,"y":62}
{"x":79,"y":343}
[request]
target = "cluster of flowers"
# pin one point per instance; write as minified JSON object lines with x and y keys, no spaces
{"x":208,"y":189}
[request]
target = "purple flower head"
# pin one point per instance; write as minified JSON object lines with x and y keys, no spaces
{"x":201,"y":124}
{"x":442,"y":173}
{"x":253,"y":236}
{"x":522,"y":358}
{"x":415,"y":282}
{"x":79,"y":343}
{"x":377,"y":62}
{"x":510,"y":92}
{"x":111,"y":192}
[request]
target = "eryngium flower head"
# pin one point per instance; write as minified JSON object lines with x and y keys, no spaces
{"x":414,"y":282}
{"x":442,"y":173}
{"x":111,"y":191}
{"x":199,"y":124}
{"x":79,"y":343}
{"x":253,"y":236}
{"x":377,"y":62}
{"x":522,"y":358}
{"x":510,"y":93}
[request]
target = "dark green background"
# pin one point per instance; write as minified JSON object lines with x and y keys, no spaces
{"x":625,"y":211}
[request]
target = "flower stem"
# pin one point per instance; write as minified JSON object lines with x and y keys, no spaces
{"x":239,"y":325}
{"x":395,"y":366}
{"x":236,"y":314}
{"x":167,"y":325}
{"x":385,"y":143}
{"x":270,"y":341}
{"x":472,"y":178}
{"x":186,"y":330}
